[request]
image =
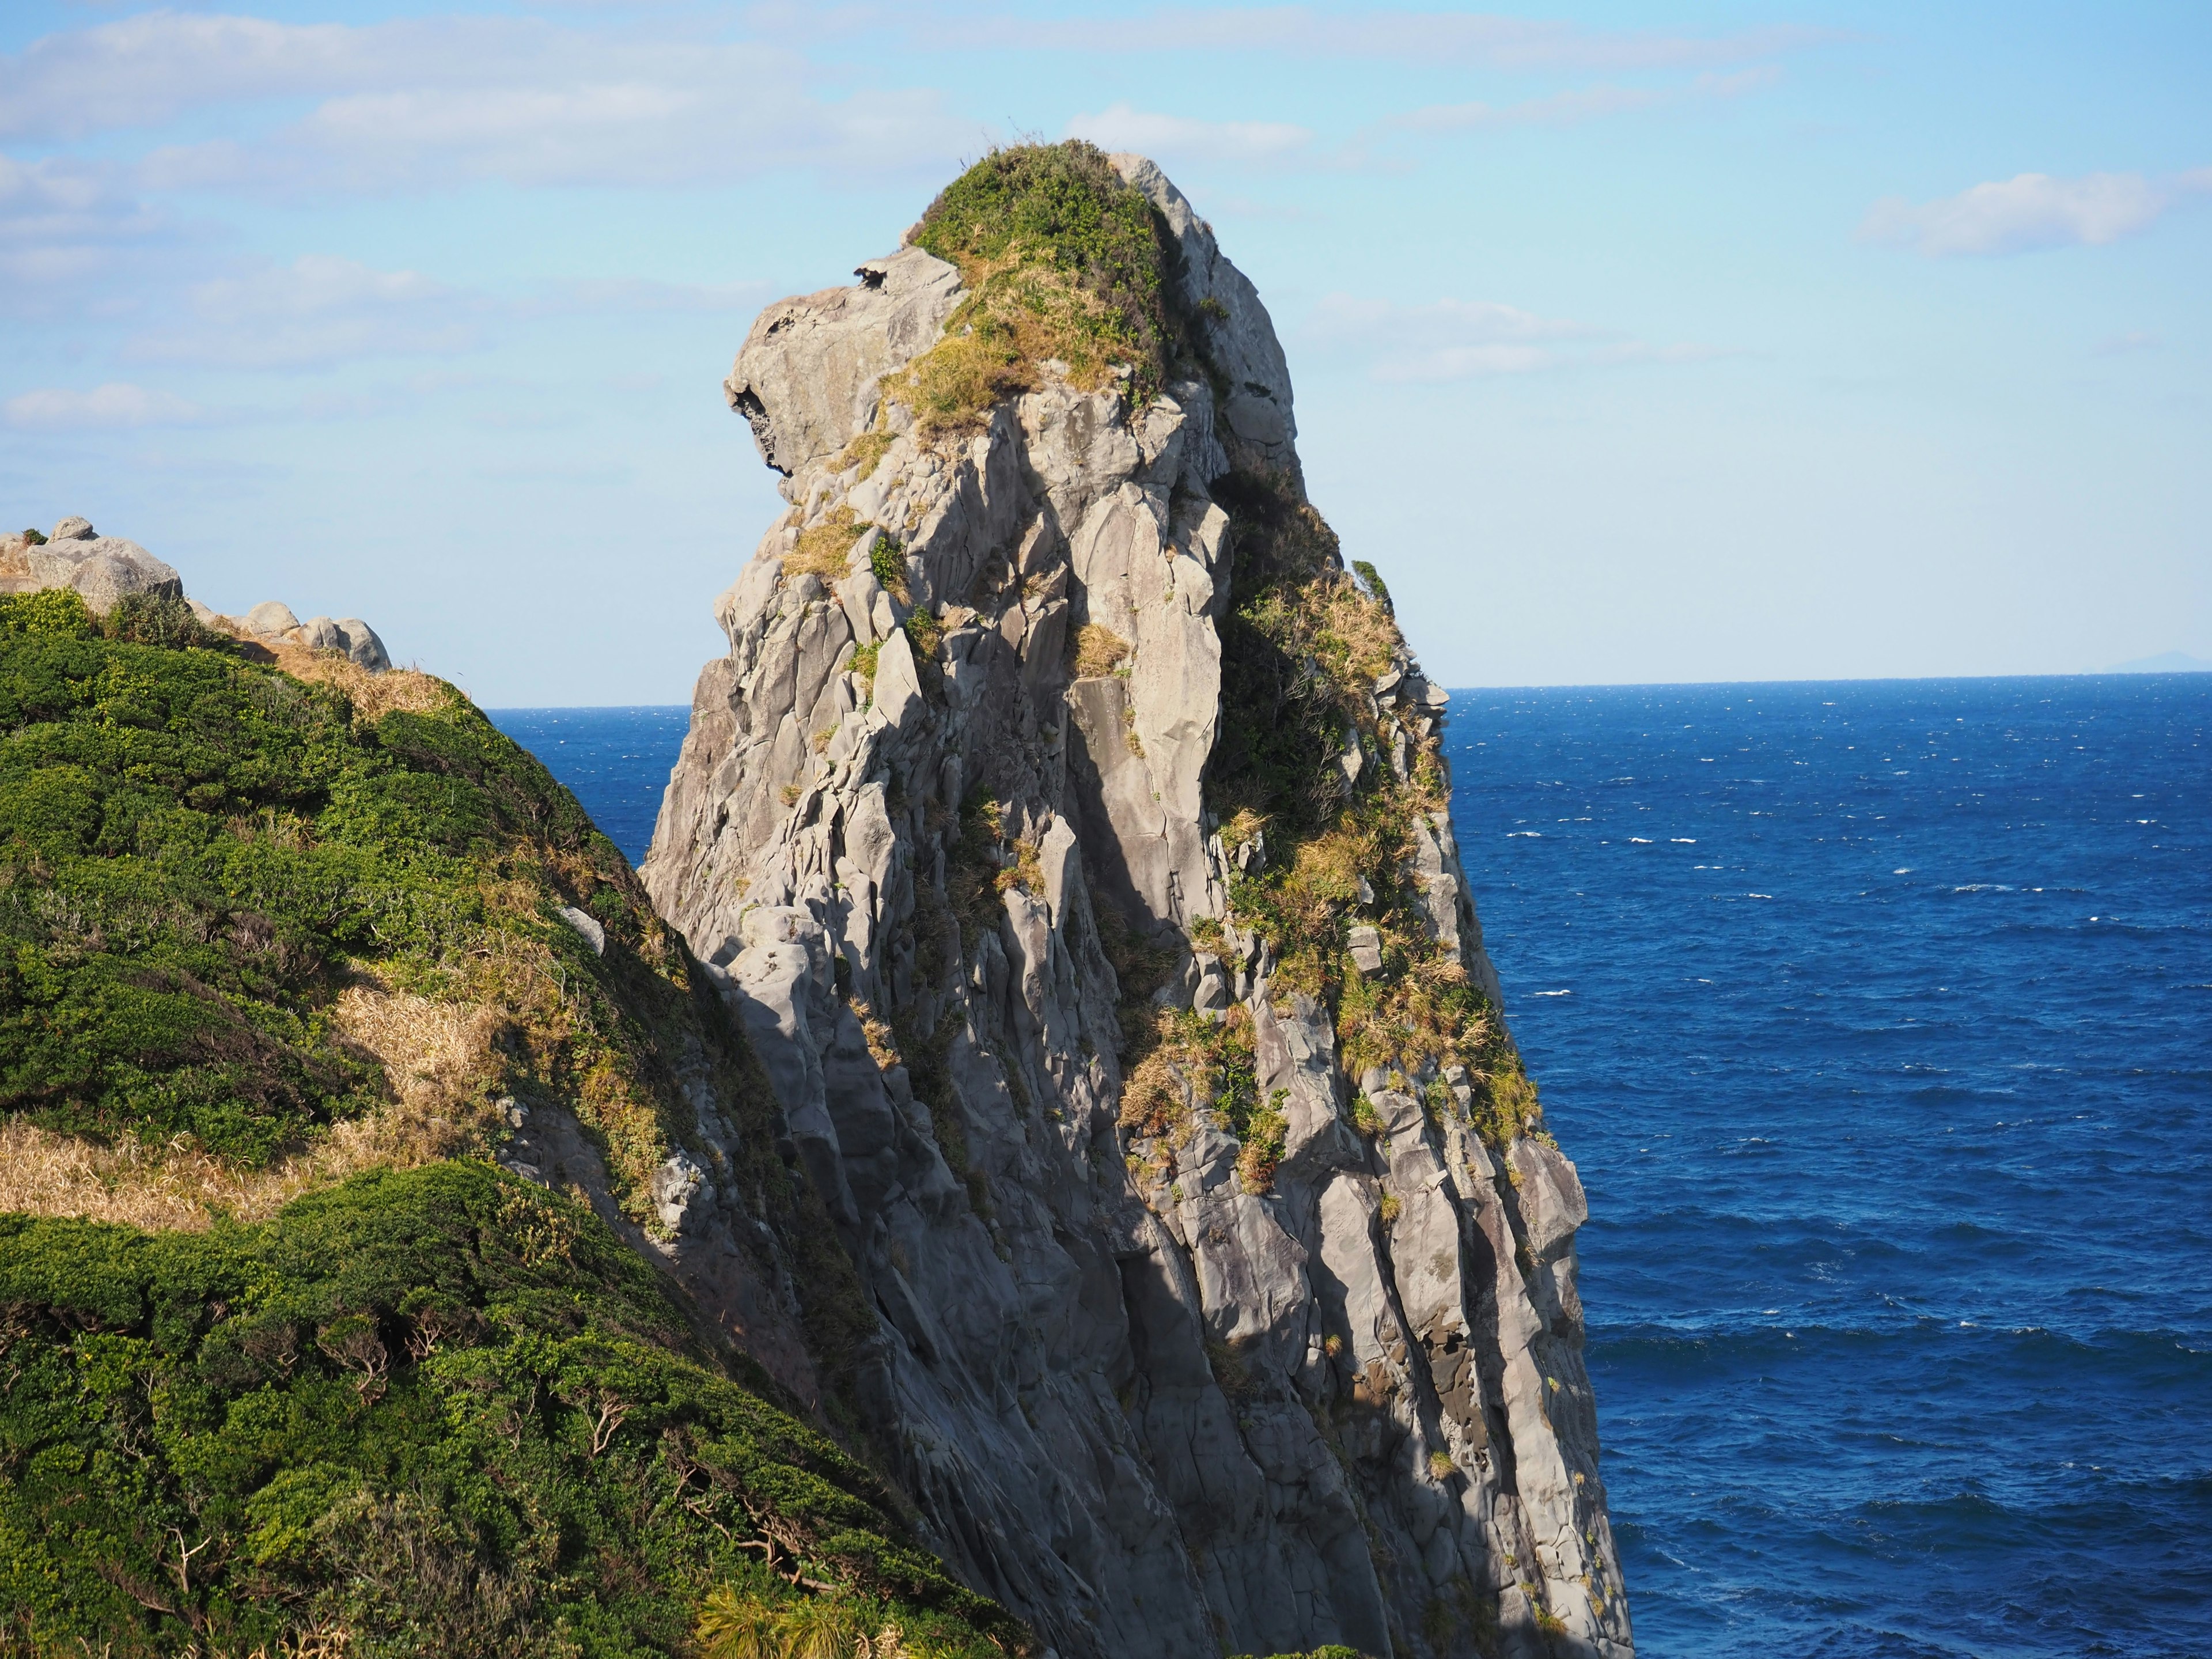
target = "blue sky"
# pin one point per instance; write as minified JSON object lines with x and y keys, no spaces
{"x":1715,"y":342}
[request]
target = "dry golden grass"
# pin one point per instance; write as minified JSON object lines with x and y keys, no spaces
{"x":373,"y":696}
{"x":866,"y":452}
{"x":1098,"y":651}
{"x":437,"y":1054}
{"x":825,"y":549}
{"x":883,"y":1046}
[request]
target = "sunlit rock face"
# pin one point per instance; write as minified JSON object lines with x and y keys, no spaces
{"x":1167,"y":1376}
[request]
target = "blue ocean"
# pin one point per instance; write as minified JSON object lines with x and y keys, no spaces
{"x":1878,"y":1018}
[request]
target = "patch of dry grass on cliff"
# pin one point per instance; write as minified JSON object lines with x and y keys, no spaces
{"x":1302,"y":649}
{"x":1098,"y":651}
{"x":825,"y":549}
{"x":406,"y":690}
{"x":866,"y":452}
{"x":438,"y":1056}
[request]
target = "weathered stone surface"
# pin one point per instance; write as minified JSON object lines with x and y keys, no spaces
{"x":587,"y":924}
{"x":1154,"y":1408}
{"x":103,"y":569}
{"x":271,"y":619}
{"x":363,"y":646}
{"x":806,"y":377}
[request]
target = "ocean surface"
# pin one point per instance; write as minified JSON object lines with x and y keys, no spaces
{"x":1877,"y":1017}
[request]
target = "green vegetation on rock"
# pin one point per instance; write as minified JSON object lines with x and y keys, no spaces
{"x":434,"y":1409}
{"x":1303,"y":648}
{"x":434,"y":1413}
{"x":1062,"y":262}
{"x":199,"y":854}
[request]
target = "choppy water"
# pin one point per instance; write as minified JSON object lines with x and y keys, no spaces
{"x":614,"y":761}
{"x":1875,"y":1016}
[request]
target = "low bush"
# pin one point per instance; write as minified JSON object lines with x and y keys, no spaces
{"x":434,"y":1413}
{"x":1302,"y":647}
{"x":1061,"y":260}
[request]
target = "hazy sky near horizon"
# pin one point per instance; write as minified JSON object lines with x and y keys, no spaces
{"x":1633,"y":343}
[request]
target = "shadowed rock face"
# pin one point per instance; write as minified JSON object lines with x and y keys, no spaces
{"x":1153,"y":1408}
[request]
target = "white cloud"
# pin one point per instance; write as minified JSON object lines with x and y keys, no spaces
{"x":1424,"y":36}
{"x":1120,"y":127}
{"x":2030,"y":211}
{"x":62,"y":221}
{"x":1473,"y":339}
{"x":1582,"y":103}
{"x":431,"y":102}
{"x":117,"y":405}
{"x":1174,"y":137}
{"x":319,"y":309}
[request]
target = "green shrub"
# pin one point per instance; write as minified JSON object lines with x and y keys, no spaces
{"x":194,"y":851}
{"x":888,"y":560}
{"x":1061,"y":260}
{"x":1303,"y":647}
{"x":442,"y":1412}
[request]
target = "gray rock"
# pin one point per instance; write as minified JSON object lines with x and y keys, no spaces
{"x":363,"y":646}
{"x":102,"y":568}
{"x":322,"y":634}
{"x":1150,"y":1408}
{"x":271,"y":619}
{"x":71,"y":530}
{"x":806,"y":376}
{"x":588,"y":924}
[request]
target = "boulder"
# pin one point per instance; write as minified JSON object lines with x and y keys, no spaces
{"x":102,"y":568}
{"x":71,"y":530}
{"x":270,"y":619}
{"x":587,"y":925}
{"x":363,"y":646}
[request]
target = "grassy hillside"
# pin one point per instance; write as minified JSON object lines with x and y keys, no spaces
{"x":276,"y":939}
{"x":432,"y":1412}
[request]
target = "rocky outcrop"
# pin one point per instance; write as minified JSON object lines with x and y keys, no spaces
{"x":271,"y":623}
{"x":104,"y":570}
{"x":1188,"y":1342}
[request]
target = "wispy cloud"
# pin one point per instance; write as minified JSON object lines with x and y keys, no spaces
{"x":2127,"y":344}
{"x":1279,"y":144}
{"x":1427,"y":37}
{"x":428,"y":103}
{"x":116,"y":405}
{"x":1580,"y":104}
{"x":63,"y":220}
{"x":1119,"y":127}
{"x":2031,"y":212}
{"x":319,"y":310}
{"x":1471,"y":340}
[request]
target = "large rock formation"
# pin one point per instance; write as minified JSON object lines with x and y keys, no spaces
{"x":1144,"y":1054}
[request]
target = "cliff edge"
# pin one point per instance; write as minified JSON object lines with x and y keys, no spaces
{"x":1068,"y":826}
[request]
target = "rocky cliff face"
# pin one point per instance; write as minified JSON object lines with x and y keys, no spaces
{"x":1067,"y":826}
